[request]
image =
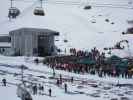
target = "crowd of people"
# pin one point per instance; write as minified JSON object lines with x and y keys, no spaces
{"x":36,"y":89}
{"x":69,"y":63}
{"x":94,"y":54}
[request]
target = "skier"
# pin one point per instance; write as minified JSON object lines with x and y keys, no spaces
{"x":50,"y":91}
{"x":60,"y":79}
{"x":71,"y":79}
{"x":4,"y":81}
{"x":34,"y":89}
{"x":39,"y":88}
{"x":42,"y":88}
{"x":58,"y":82}
{"x":114,"y":72}
{"x":36,"y":60}
{"x":65,"y":85}
{"x":53,"y":71}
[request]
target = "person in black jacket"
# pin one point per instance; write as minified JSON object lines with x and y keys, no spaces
{"x":50,"y":92}
{"x":35,"y":89}
{"x":65,"y":85}
{"x":4,"y":81}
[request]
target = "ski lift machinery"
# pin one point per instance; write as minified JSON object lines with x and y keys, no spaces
{"x":13,"y":11}
{"x":39,"y":11}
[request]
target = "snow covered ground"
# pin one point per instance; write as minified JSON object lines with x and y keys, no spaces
{"x":83,"y":29}
{"x":84,"y":86}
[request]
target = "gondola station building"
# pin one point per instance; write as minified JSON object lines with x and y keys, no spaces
{"x":33,"y":41}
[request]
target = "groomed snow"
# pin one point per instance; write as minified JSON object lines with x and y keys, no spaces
{"x":58,"y":93}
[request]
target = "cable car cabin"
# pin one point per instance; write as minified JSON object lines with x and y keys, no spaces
{"x":87,"y":7}
{"x":130,"y":31}
{"x":65,"y":40}
{"x":13,"y":12}
{"x":39,"y":11}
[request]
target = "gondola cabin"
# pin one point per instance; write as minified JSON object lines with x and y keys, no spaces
{"x":87,"y":7}
{"x":13,"y":12}
{"x":38,"y":11}
{"x":65,"y":40}
{"x":130,"y":30}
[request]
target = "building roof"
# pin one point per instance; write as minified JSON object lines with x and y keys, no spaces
{"x":35,"y":31}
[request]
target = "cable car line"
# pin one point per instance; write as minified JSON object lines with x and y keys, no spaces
{"x":39,"y":11}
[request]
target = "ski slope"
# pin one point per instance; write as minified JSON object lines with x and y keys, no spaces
{"x":74,"y":23}
{"x":80,"y":89}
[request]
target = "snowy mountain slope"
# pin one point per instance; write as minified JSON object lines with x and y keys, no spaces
{"x":84,"y":29}
{"x":74,"y":23}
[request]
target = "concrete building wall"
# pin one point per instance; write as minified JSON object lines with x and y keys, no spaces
{"x":32,"y":42}
{"x":23,"y":43}
{"x":16,"y":42}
